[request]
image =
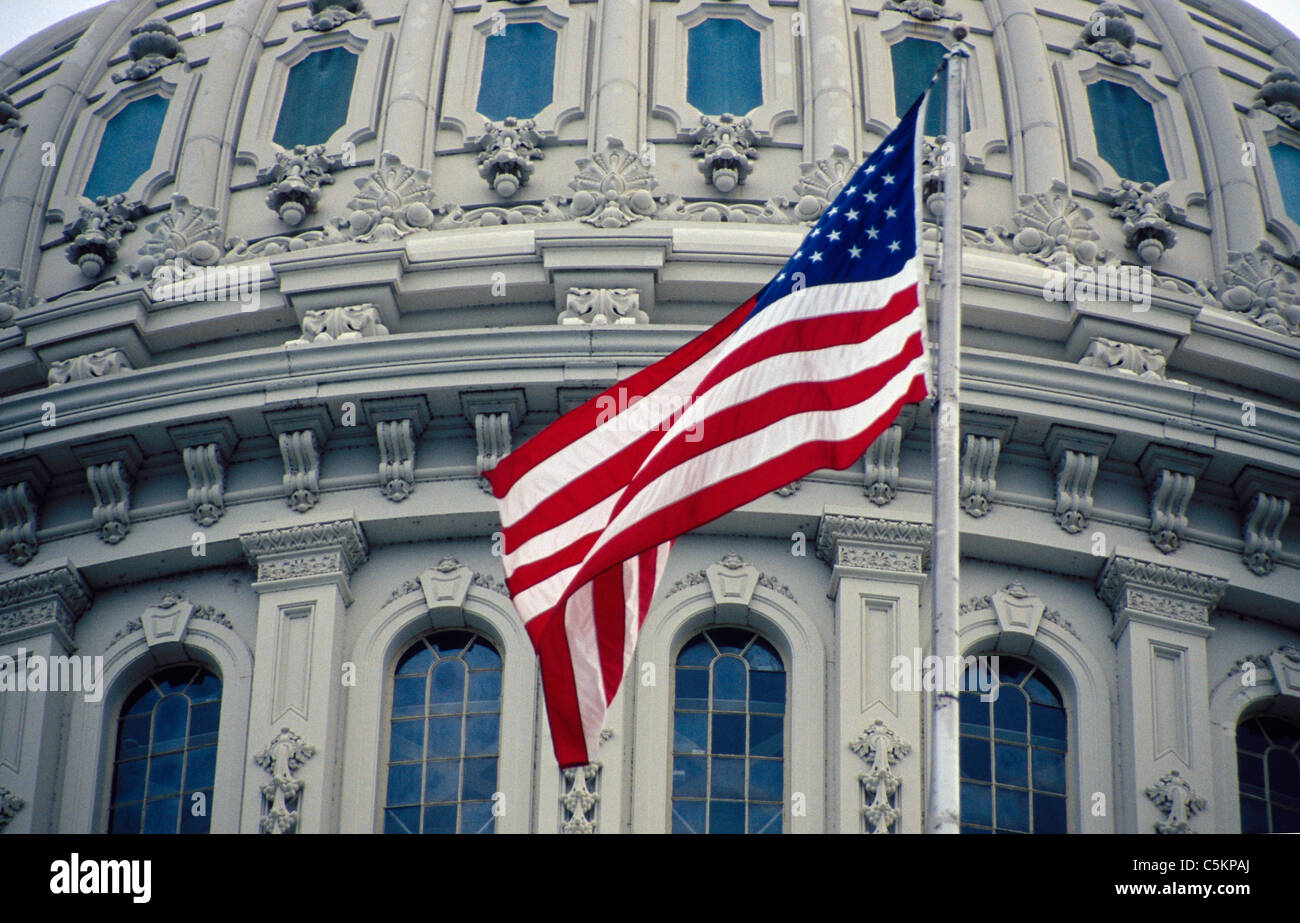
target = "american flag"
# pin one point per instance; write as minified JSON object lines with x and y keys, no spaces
{"x":804,"y":375}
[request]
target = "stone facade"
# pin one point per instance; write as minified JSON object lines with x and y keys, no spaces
{"x":248,"y":403}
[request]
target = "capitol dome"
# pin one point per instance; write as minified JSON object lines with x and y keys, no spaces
{"x":282,"y":280}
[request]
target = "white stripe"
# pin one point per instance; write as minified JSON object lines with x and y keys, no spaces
{"x":584,"y":654}
{"x":571,"y":462}
{"x":544,"y":544}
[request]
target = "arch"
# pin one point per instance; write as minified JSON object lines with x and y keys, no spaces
{"x":128,"y":661}
{"x":1083,"y":682}
{"x":382,"y":639}
{"x":669,"y":626}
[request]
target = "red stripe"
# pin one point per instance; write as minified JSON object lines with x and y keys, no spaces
{"x":534,"y":572}
{"x":552,"y":646}
{"x":737,"y":420}
{"x":721,"y":497}
{"x":802,"y":334}
{"x":611,"y":613}
{"x":649,"y":567}
{"x":582,"y":420}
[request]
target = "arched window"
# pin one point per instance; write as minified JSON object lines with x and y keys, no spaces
{"x":723,"y":67}
{"x":316,"y":97}
{"x":1268,"y":774}
{"x":1013,"y":751}
{"x":167,"y":753}
{"x":914,"y":61}
{"x":518,"y":76}
{"x":1286,"y":166}
{"x":127,"y":146}
{"x":1124,"y":125}
{"x":444,"y":739}
{"x":728,"y":734}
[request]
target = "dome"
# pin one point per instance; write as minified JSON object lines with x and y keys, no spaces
{"x":279,"y":284}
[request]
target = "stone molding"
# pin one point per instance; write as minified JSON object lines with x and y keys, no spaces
{"x":1158,"y":594}
{"x":35,"y":602}
{"x":306,"y":554}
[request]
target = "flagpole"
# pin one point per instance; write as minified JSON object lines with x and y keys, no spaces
{"x":944,"y":797}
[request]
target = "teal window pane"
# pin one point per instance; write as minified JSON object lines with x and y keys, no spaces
{"x":127,"y":146}
{"x":1124,"y":125}
{"x":722,"y":67}
{"x":316,"y":97}
{"x":1268,"y":775}
{"x":1286,"y":166}
{"x":518,"y":72}
{"x":915,"y":60}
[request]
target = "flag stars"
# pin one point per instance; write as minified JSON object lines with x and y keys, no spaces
{"x":851,"y":190}
{"x":834,"y":235}
{"x":855,"y":252}
{"x":832,"y":211}
{"x":870,"y":197}
{"x":871,"y":168}
{"x":851,"y":214}
{"x":889,"y":179}
{"x":893,"y":246}
{"x":817,"y":257}
{"x":891,"y":212}
{"x":889,"y":149}
{"x":815,"y":232}
{"x":873,"y":233}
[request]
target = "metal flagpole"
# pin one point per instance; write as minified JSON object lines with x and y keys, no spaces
{"x":944,"y":797}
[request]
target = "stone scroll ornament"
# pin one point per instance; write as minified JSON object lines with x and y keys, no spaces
{"x":282,"y":758}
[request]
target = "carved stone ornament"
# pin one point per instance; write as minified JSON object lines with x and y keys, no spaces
{"x":446,"y":586}
{"x":1285,"y":664}
{"x":1076,"y":455}
{"x":1174,"y":795}
{"x":337,"y":547}
{"x":1259,"y":286}
{"x":880,"y":748}
{"x":391,"y":202}
{"x":10,"y":805}
{"x":1146,"y":362}
{"x":153,"y":46}
{"x":821,"y":181}
{"x":509,"y":149}
{"x":613,"y":188}
{"x":56,"y":596}
{"x":301,"y":458}
{"x":205,"y":469}
{"x":1170,"y":475}
{"x":330,"y":14}
{"x":1110,"y":34}
{"x":296,"y":179}
{"x":789,"y":490}
{"x":99,"y":364}
{"x":599,"y":306}
{"x":12,"y":297}
{"x":1018,"y":611}
{"x":492,"y":436}
{"x":282,"y":758}
{"x":96,"y":236}
{"x":1127,"y":584}
{"x":396,"y":440}
{"x":935,"y":155}
{"x":18,"y":509}
{"x":111,"y":467}
{"x":880,"y":466}
{"x":1264,"y":499}
{"x":979,"y":466}
{"x":725,"y":145}
{"x":1049,"y":227}
{"x":878,"y":544}
{"x":10,"y":116}
{"x":1279,"y":94}
{"x":579,"y":798}
{"x":340,"y":325}
{"x":1146,"y":213}
{"x":924,"y":10}
{"x":730,"y":579}
{"x":169,"y":621}
{"x":187,"y":235}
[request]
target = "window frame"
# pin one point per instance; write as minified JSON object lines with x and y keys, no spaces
{"x":1277,"y":220}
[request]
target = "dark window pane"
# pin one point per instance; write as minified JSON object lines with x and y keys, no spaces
{"x":133,"y":737}
{"x":1124,"y":125}
{"x":441,"y":781}
{"x":203,"y":724}
{"x":729,"y":734}
{"x":764,"y":818}
{"x":126,"y":818}
{"x":162,"y":816}
{"x":200,"y":768}
{"x":482,"y":655}
{"x":192,"y":822}
{"x":407,"y":740}
{"x":975,"y":763}
{"x":1048,"y":725}
{"x":723,"y":67}
{"x":403,"y":820}
{"x":481,"y":735}
{"x":1283,"y":774}
{"x":1285,"y":821}
{"x":408,"y":696}
{"x":1049,"y":770}
{"x":697,"y":653}
{"x":485,"y":690}
{"x":447,"y":689}
{"x":1012,"y":764}
{"x":1012,"y":809}
{"x":1041,"y":691}
{"x":480,"y":779}
{"x":915,"y":61}
{"x":1254,"y":816}
{"x":476,"y":817}
{"x":444,"y":737}
{"x":729,"y":674}
{"x":1250,"y":774}
{"x":440,"y":818}
{"x":765,"y":780}
{"x":1286,"y":166}
{"x":451,"y":643}
{"x":688,"y":816}
{"x":129,"y":782}
{"x":1279,"y":732}
{"x":126,"y":149}
{"x":767,"y":692}
{"x":726,"y":817}
{"x":205,"y":688}
{"x":974,"y":712}
{"x":403,"y":785}
{"x":416,"y":661}
{"x":766,"y":735}
{"x":976,"y":804}
{"x":691,"y":733}
{"x":727,"y":778}
{"x":1012,"y":670}
{"x":1009,"y":715}
{"x":518,"y":71}
{"x":762,"y":656}
{"x":1250,"y":737}
{"x":1049,"y":814}
{"x":165,"y":774}
{"x":731,"y":640}
{"x":169,"y":723}
{"x":141,"y":701}
{"x":689,"y":776}
{"x":693,"y":689}
{"x":316,"y":97}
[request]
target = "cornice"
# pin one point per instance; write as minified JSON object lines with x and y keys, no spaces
{"x":339,"y":543}
{"x":1158,"y":594}
{"x":55,"y":596}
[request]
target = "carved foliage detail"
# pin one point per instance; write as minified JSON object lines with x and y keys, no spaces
{"x":1110,"y":34}
{"x":1259,"y":286}
{"x":330,"y":14}
{"x":1145,"y":362}
{"x":492,"y":433}
{"x":206,"y":470}
{"x":1074,"y":479}
{"x":396,"y":459}
{"x":509,"y":148}
{"x":10,"y":805}
{"x":597,"y":306}
{"x":880,"y":482}
{"x":340,"y":325}
{"x":1171,"y":491}
{"x":10,"y":116}
{"x":613,"y":188}
{"x":282,"y":758}
{"x":301,"y":469}
{"x":18,"y":508}
{"x":187,"y":235}
{"x":391,"y":202}
{"x":1280,"y":95}
{"x":110,"y":485}
{"x":880,"y":748}
{"x":100,"y":364}
{"x":1052,"y":228}
{"x":1146,"y":214}
{"x":96,"y":236}
{"x":725,"y":145}
{"x":1174,"y":795}
{"x":1261,"y":530}
{"x":979,"y":464}
{"x":295,"y":179}
{"x":580,"y":798}
{"x":925,"y":10}
{"x":153,"y":46}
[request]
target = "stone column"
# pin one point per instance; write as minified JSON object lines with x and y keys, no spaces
{"x":877,"y":569}
{"x":1162,"y":621}
{"x":617,"y":104}
{"x":420,"y":42}
{"x":294,"y":726}
{"x":38,"y":613}
{"x":831,"y":69}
